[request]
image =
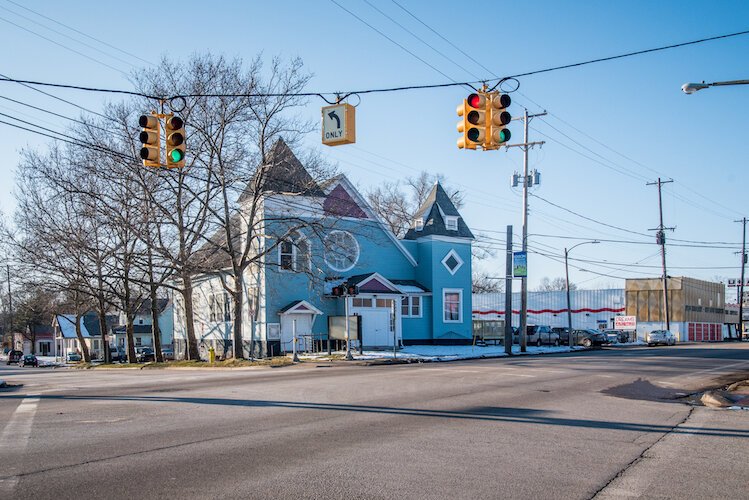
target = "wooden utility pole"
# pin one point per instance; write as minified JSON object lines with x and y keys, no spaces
{"x":741,"y":283}
{"x":660,"y":238}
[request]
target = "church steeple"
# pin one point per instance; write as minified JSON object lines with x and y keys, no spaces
{"x":438,"y":216}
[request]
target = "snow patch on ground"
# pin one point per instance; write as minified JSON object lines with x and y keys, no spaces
{"x":443,"y":353}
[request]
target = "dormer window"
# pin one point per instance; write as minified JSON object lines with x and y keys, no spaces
{"x":451,"y":223}
{"x":419,"y":224}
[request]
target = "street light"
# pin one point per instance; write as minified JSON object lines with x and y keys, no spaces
{"x":567,"y":283}
{"x":691,"y":88}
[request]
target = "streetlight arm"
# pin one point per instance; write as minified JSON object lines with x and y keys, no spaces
{"x":691,"y":88}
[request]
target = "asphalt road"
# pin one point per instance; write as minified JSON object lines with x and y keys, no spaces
{"x":606,"y":423}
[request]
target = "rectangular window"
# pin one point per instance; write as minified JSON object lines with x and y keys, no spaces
{"x":138,"y":342}
{"x":419,"y":224}
{"x":384,"y":303}
{"x":361,"y":302}
{"x":286,"y":255}
{"x":219,"y":307}
{"x":452,"y":300}
{"x":411,"y":307}
{"x":451,"y":223}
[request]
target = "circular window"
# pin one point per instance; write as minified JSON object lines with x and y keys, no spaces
{"x":341,"y":250}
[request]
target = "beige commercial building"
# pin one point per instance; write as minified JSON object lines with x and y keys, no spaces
{"x":696,"y":307}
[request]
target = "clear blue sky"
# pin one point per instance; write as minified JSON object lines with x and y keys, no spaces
{"x":628,"y":118}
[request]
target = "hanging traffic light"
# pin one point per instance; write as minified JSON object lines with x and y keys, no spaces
{"x":150,"y":136}
{"x":175,"y":142}
{"x":498,"y":119}
{"x":473,"y":124}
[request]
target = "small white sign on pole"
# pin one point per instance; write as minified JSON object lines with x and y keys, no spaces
{"x":625,"y":322}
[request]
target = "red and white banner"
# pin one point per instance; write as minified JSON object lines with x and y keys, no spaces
{"x":625,"y":322}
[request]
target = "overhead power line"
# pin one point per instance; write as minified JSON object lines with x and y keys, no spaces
{"x":380,"y":90}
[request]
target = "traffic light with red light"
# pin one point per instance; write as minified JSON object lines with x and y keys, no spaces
{"x":473,"y":125}
{"x":150,"y":137}
{"x":498,"y":119}
{"x":175,"y":142}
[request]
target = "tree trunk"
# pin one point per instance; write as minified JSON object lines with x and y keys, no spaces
{"x":129,"y":333}
{"x":192,"y":343}
{"x":237,"y":327}
{"x":103,"y":331}
{"x":81,"y":340}
{"x":155,"y":330}
{"x":33,"y":339}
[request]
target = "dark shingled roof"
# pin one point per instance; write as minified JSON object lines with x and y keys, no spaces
{"x":283,"y":173}
{"x":434,"y":224}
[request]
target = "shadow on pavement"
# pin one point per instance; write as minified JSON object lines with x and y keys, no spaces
{"x":488,"y":414}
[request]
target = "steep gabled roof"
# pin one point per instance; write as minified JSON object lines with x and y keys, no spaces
{"x":283,"y":173}
{"x":433,"y":211}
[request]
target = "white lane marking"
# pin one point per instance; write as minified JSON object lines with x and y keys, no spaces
{"x":719,"y":368}
{"x":14,"y":439}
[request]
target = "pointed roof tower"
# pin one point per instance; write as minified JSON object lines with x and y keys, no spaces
{"x":284,"y":173}
{"x":438,"y":216}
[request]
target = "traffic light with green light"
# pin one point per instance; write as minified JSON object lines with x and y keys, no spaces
{"x":150,"y":137}
{"x":175,"y":142}
{"x":473,"y":125}
{"x":499,"y":118}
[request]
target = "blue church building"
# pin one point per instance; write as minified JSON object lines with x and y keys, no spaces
{"x":318,"y":235}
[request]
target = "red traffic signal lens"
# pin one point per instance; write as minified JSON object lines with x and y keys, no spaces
{"x":474,"y":100}
{"x":175,"y":122}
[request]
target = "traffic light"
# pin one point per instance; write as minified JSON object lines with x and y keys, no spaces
{"x":473,"y":124}
{"x":150,"y":136}
{"x":499,"y":118}
{"x":352,"y":290}
{"x":338,"y":291}
{"x":175,"y":142}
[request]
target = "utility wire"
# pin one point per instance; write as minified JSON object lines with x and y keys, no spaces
{"x":380,"y":90}
{"x":97,"y":40}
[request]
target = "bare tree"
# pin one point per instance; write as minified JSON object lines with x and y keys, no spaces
{"x":397,"y":202}
{"x":552,"y":285}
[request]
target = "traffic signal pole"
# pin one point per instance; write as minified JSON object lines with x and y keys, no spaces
{"x":741,"y":283}
{"x":524,"y":280}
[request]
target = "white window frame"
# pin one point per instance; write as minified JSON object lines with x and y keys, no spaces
{"x":409,"y":300}
{"x":355,"y":247}
{"x":459,"y":291}
{"x":294,"y":241}
{"x":222,"y":311}
{"x":451,"y":223}
{"x":419,"y":223}
{"x":454,"y":254}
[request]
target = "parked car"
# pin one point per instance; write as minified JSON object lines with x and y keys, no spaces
{"x":117,"y":354}
{"x":28,"y":360}
{"x":167,"y":353}
{"x":144,"y":354}
{"x":663,"y":337}
{"x":541,"y":334}
{"x":589,"y":337}
{"x":617,"y":336}
{"x":14,"y":356}
{"x":74,"y":357}
{"x":564,"y":334}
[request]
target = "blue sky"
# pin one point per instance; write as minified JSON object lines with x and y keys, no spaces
{"x":611,"y":127}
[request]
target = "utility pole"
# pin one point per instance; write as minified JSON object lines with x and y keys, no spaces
{"x":660,"y":238}
{"x":741,"y":285}
{"x":10,"y":305}
{"x":508,"y":294}
{"x":524,"y":280}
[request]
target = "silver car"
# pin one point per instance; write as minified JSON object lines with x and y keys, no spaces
{"x":662,"y":337}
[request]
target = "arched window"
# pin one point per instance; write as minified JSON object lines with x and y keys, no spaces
{"x":294,"y":253}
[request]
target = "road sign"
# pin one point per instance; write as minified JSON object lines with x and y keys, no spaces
{"x":338,"y":124}
{"x":625,"y":322}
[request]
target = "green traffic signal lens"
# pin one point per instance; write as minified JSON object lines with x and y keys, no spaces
{"x":504,"y":135}
{"x":473,"y":134}
{"x":176,"y":155}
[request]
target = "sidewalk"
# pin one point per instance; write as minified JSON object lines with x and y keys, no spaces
{"x":703,"y":457}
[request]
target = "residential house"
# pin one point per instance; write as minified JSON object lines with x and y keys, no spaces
{"x":143,"y":333}
{"x":414,"y":290}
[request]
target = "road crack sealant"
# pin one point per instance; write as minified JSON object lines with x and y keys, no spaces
{"x":642,"y":454}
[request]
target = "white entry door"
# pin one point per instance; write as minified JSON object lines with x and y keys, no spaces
{"x":303,"y":331}
{"x":376,"y":329}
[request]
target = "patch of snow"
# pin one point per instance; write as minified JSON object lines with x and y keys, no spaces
{"x":445,"y":353}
